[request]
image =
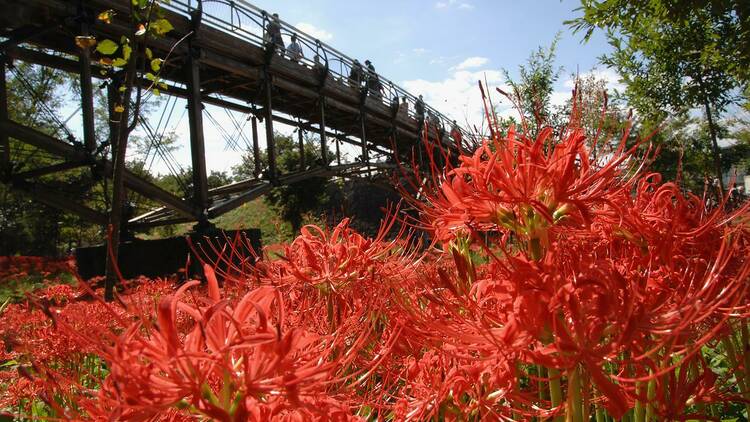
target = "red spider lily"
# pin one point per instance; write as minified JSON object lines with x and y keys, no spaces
{"x":523,"y":186}
{"x":565,"y":286}
{"x":234,"y":363}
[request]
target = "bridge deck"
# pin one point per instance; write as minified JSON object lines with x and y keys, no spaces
{"x":231,"y":67}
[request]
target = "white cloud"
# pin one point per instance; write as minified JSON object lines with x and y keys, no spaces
{"x":454,"y":4}
{"x":419,"y":51}
{"x":458,"y":96}
{"x":314,"y":31}
{"x":609,"y":76}
{"x":472,"y":62}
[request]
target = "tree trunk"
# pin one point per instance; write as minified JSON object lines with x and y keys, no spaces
{"x":118,"y":187}
{"x":715,"y":147}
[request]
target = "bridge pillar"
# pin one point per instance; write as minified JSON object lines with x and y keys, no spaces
{"x":87,"y":90}
{"x":338,"y":152}
{"x":197,"y":143}
{"x":270,"y":141}
{"x":323,"y":146}
{"x":4,"y":143}
{"x":301,"y":146}
{"x":256,"y":148}
{"x":363,"y":135}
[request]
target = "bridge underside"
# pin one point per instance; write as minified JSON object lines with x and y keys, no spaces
{"x":205,"y":65}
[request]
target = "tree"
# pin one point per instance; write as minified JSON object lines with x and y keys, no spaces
{"x":673,"y":56}
{"x":26,"y":226}
{"x":533,"y":90}
{"x":296,"y":199}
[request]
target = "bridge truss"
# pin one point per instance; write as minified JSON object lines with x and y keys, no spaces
{"x":216,"y":56}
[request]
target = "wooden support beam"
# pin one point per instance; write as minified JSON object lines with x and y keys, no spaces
{"x":48,"y":60}
{"x":338,"y":152}
{"x":257,"y":164}
{"x":270,"y":141}
{"x":301,"y":146}
{"x":55,"y":168}
{"x":322,"y":116}
{"x":159,"y":223}
{"x":197,"y":143}
{"x":60,"y":201}
{"x":237,"y":201}
{"x":87,"y":92}
{"x":4,"y":142}
{"x":25,"y":33}
{"x":71,"y":153}
{"x":363,"y":136}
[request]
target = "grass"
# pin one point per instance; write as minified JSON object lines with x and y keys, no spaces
{"x":15,"y":289}
{"x":255,"y":214}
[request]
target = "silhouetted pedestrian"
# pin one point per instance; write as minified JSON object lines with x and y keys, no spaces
{"x":355,"y":75}
{"x":374,"y":87}
{"x":419,"y":108}
{"x":273,"y":34}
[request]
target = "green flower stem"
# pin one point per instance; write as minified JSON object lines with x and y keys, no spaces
{"x":746,"y":354}
{"x":555,"y":391}
{"x":639,"y":414}
{"x":741,"y":377}
{"x":651,"y":394}
{"x":600,"y":417}
{"x":574,"y":413}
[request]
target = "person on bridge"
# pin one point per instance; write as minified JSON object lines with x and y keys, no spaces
{"x":419,"y":108}
{"x":318,"y":66}
{"x":295,"y":49}
{"x":273,"y":34}
{"x":403,"y":109}
{"x":355,"y":75}
{"x":456,"y":134}
{"x":374,"y":87}
{"x":395,"y":105}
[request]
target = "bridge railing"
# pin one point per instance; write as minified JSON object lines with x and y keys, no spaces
{"x":250,"y":23}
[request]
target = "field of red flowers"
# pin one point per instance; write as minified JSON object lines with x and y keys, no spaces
{"x":556,"y":287}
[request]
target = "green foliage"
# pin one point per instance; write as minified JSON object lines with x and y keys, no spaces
{"x":675,"y":56}
{"x":16,"y":288}
{"x":533,"y":90}
{"x":28,"y":227}
{"x":295,"y":200}
{"x":718,"y":30}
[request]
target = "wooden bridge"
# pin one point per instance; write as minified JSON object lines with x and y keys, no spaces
{"x":216,"y":55}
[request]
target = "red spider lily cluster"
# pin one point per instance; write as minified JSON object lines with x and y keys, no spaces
{"x":556,"y":286}
{"x":15,"y":267}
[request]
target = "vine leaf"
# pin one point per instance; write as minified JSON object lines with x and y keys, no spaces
{"x":107,"y":47}
{"x":161,"y":26}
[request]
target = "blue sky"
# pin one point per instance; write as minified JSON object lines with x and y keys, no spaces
{"x":424,"y":38}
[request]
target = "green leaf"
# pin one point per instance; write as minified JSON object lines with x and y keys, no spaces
{"x":107,"y":47}
{"x":149,"y":53}
{"x":156,"y":64}
{"x":156,"y":92}
{"x":118,"y":62}
{"x":126,"y":50}
{"x":150,"y":76}
{"x":161,"y":26}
